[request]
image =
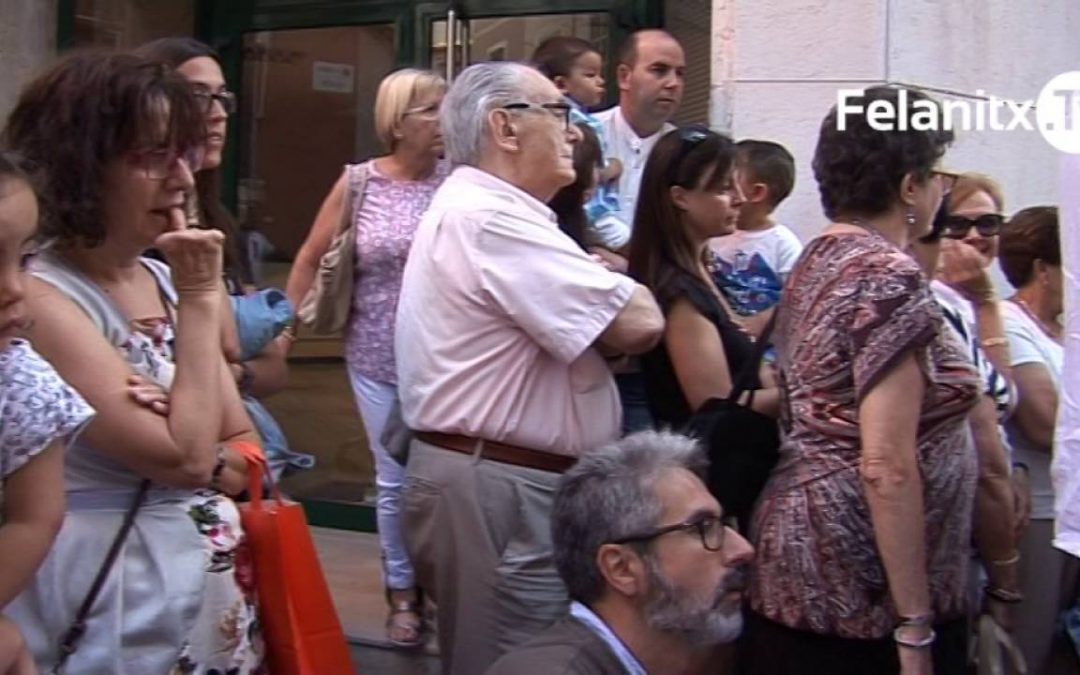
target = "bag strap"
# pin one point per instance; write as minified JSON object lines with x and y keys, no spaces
{"x":70,"y":643}
{"x":354,"y":196}
{"x":746,"y":373}
{"x":257,"y":469}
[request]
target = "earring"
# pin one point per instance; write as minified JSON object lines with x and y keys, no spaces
{"x":909,"y":218}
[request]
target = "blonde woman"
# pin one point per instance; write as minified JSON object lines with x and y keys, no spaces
{"x":391,"y":192}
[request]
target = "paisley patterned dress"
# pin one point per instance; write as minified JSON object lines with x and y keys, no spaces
{"x":853,"y":307}
{"x":180,"y":597}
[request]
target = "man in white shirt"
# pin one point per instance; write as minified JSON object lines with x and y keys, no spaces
{"x":498,"y":324}
{"x":650,"y":72}
{"x":655,"y":575}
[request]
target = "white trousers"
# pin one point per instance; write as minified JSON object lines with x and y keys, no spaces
{"x":374,"y":400}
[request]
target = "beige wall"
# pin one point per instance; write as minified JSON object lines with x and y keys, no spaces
{"x":27,"y":44}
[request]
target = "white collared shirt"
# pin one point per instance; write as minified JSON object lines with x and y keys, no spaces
{"x":632,"y":151}
{"x":594,"y":623}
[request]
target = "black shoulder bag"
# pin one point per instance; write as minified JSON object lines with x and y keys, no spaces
{"x":742,"y":444}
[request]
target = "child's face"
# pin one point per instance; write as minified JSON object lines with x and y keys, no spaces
{"x":585,"y":84}
{"x":18,"y":222}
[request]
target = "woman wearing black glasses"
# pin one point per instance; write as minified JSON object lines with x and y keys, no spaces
{"x":199,"y":65}
{"x":862,"y":534}
{"x":257,"y":341}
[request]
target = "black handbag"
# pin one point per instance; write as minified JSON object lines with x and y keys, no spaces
{"x":742,"y":444}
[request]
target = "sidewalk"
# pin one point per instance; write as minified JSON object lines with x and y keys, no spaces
{"x":351,"y":564}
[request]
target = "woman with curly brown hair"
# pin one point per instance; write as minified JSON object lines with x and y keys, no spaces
{"x":862,"y":534}
{"x":115,"y":138}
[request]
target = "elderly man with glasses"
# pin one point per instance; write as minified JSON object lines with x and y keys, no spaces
{"x":500,"y":328}
{"x":654,"y":572}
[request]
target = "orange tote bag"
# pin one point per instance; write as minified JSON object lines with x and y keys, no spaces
{"x":300,"y":625}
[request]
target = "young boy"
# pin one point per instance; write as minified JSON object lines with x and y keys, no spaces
{"x":576,"y":68}
{"x":752,"y":263}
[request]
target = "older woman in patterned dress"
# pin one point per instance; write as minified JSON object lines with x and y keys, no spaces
{"x":390,"y":193}
{"x":863,"y":531}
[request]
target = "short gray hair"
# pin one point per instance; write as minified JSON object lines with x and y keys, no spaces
{"x":478,"y":90}
{"x":609,"y":495}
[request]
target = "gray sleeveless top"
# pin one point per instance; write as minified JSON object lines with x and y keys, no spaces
{"x":87,"y":470}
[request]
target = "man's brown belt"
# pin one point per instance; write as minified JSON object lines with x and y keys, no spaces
{"x":499,"y":452}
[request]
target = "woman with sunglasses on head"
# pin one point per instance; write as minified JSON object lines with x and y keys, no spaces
{"x":256,"y":344}
{"x":1030,"y":257}
{"x":178,"y":595}
{"x":862,"y":533}
{"x":689,"y":195}
{"x":389,"y":195}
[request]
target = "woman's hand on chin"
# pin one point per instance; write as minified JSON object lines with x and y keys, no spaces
{"x":195,"y":257}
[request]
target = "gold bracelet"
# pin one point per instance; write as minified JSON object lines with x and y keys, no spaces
{"x":994,"y":342}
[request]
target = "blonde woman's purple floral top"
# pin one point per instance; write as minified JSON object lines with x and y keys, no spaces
{"x":386,"y":221}
{"x":853,"y":308}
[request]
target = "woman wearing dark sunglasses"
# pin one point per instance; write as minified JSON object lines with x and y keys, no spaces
{"x":996,"y":503}
{"x":970,"y":229}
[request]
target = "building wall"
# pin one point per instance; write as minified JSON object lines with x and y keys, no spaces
{"x":27,"y":43}
{"x":777,"y":67}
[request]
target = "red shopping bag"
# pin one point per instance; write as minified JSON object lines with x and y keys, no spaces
{"x":300,"y":625}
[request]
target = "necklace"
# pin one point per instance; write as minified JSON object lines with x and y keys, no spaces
{"x":1054,"y":335}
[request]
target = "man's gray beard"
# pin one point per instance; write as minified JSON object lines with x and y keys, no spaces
{"x":702,"y":622}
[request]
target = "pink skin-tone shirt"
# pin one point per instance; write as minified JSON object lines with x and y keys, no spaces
{"x":496,"y":321}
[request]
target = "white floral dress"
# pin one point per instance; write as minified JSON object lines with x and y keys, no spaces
{"x":180,"y":597}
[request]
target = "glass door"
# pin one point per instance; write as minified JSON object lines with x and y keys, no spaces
{"x":306,"y":108}
{"x":508,"y":38}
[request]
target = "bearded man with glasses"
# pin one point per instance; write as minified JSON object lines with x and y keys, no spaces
{"x":654,"y":572}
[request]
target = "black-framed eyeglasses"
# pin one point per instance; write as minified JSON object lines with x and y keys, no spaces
{"x":689,"y":138}
{"x":711,"y":529}
{"x":987,"y":225}
{"x":560,"y":110}
{"x":206,"y":99}
{"x":158,"y":163}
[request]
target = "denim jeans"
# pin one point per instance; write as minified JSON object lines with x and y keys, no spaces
{"x":635,"y":406}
